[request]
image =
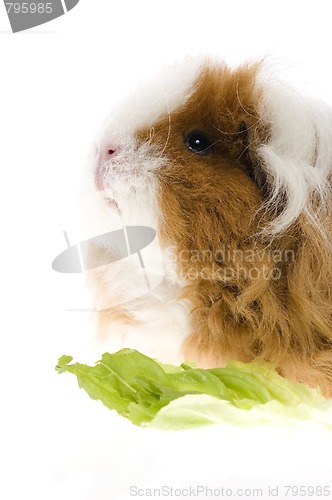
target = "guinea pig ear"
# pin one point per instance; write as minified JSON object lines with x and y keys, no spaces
{"x":248,"y":160}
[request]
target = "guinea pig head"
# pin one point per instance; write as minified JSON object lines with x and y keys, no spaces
{"x":190,"y":141}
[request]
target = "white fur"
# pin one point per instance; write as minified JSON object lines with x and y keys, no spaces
{"x":154,"y":99}
{"x":298,"y":155}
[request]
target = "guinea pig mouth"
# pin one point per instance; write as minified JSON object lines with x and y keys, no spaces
{"x":109,"y":199}
{"x":107,"y":194}
{"x":112,"y":204}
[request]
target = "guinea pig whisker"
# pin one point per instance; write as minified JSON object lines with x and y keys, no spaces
{"x":169,"y":128}
{"x":152,"y":132}
{"x":211,"y":145}
{"x":241,"y":104}
{"x":247,"y":147}
{"x":238,"y":132}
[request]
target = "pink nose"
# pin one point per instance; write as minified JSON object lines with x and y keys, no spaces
{"x":108,"y":153}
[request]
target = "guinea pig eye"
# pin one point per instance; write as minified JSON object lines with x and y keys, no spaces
{"x":198,"y":142}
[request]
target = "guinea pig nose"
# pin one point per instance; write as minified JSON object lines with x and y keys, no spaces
{"x":108,"y":152}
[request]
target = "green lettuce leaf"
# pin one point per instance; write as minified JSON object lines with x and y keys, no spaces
{"x":162,"y":396}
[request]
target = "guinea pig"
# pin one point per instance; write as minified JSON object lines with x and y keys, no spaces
{"x":232,"y":169}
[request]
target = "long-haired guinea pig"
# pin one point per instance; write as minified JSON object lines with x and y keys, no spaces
{"x":232,"y":169}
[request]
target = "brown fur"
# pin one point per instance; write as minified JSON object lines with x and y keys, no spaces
{"x":209,"y":202}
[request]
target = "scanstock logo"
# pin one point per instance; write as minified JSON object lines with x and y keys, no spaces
{"x":23,"y":15}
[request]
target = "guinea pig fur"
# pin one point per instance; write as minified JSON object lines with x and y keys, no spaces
{"x":232,"y":168}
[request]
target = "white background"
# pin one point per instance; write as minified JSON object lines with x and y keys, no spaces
{"x":56,"y":83}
